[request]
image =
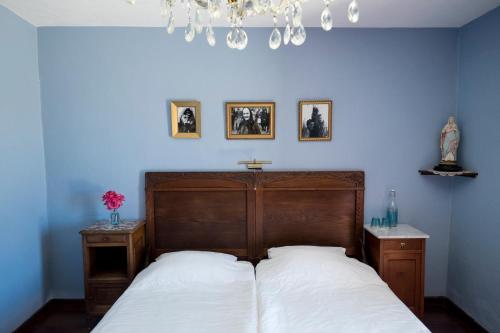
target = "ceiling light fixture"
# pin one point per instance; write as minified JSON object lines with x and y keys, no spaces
{"x":238,"y":10}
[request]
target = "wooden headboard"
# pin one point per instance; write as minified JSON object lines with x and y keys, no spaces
{"x":245,"y":213}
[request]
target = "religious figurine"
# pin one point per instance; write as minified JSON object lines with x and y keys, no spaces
{"x":450,"y":139}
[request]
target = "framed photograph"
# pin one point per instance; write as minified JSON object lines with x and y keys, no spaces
{"x":186,"y":119}
{"x":315,"y":120}
{"x":252,"y":120}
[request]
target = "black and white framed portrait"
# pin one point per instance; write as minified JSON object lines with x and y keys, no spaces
{"x":250,"y":120}
{"x":186,"y":119}
{"x":315,"y":120}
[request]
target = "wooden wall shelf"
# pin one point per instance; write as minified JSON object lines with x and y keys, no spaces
{"x":430,"y":172}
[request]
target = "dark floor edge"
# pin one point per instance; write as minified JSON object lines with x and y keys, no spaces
{"x":445,"y":302}
{"x":55,"y":304}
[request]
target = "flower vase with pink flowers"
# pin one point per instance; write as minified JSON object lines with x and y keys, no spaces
{"x":113,"y":201}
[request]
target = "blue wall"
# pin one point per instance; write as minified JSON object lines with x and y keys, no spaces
{"x":474,"y":265}
{"x":23,"y":228}
{"x":105,"y":95}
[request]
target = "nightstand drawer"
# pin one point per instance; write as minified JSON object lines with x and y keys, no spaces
{"x":100,"y":297}
{"x":106,"y":238}
{"x":402,"y":244}
{"x":105,"y":294}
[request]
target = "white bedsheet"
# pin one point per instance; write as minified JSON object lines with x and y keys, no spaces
{"x":357,"y":303}
{"x":214,"y":308}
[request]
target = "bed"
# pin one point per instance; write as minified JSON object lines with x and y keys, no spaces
{"x":245,"y":214}
{"x":199,"y":243}
{"x":187,"y":291}
{"x":325,"y":287}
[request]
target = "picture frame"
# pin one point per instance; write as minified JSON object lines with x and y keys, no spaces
{"x":186,"y":119}
{"x":250,"y":120}
{"x":312,"y":123}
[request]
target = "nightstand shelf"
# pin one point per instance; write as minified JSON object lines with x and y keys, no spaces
{"x":105,"y":261}
{"x":398,"y":256}
{"x":112,"y":256}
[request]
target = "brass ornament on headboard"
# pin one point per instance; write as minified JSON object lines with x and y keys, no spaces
{"x":255,"y":165}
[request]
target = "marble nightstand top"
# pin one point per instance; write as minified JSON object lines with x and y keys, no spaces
{"x":126,"y":226}
{"x":401,"y":231}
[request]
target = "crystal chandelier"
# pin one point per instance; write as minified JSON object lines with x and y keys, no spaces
{"x":238,"y":10}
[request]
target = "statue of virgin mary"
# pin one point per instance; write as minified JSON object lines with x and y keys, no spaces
{"x":450,"y":139}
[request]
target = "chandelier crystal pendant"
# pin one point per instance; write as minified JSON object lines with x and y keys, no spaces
{"x":326,"y":17}
{"x":353,"y":12}
{"x":238,"y":10}
{"x":275,"y":38}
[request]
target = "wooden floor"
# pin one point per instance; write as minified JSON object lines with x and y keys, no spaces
{"x":443,"y":316}
{"x":440,"y":316}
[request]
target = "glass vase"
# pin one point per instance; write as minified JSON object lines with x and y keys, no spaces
{"x":114,"y":218}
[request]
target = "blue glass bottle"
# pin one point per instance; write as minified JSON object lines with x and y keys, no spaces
{"x":392,"y":210}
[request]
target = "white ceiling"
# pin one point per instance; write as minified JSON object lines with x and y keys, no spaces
{"x":373,"y":13}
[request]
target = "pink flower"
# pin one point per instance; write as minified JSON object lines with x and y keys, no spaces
{"x":113,"y":200}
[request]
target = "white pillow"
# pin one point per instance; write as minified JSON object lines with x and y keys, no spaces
{"x":197,"y":255}
{"x":315,"y":269}
{"x":275,"y":252}
{"x":191,"y":270}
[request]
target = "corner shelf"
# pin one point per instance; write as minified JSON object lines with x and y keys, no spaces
{"x":430,"y":172}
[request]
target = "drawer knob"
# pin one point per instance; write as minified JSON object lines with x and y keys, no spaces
{"x":105,"y":239}
{"x":403,"y":245}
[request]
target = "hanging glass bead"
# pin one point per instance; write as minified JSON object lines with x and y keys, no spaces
{"x":214,"y":8}
{"x":287,"y":34}
{"x":296,"y":14}
{"x":230,"y":38}
{"x":189,"y":33}
{"x":353,"y":12}
{"x":287,"y":31}
{"x":210,"y":36}
{"x":171,"y":24}
{"x":298,"y":35}
{"x":242,"y":39}
{"x":275,"y":39}
{"x":164,"y":8}
{"x":197,"y":22}
{"x":326,"y":19}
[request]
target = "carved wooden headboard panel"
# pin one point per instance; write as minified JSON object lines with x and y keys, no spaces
{"x":310,"y":208}
{"x":245,"y":213}
{"x":212,"y":211}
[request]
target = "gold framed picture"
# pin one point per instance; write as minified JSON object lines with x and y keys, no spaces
{"x":315,"y":120}
{"x":250,"y":120}
{"x":186,"y":119}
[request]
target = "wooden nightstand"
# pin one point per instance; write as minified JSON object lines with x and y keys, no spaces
{"x":398,"y":256}
{"x":112,"y":256}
